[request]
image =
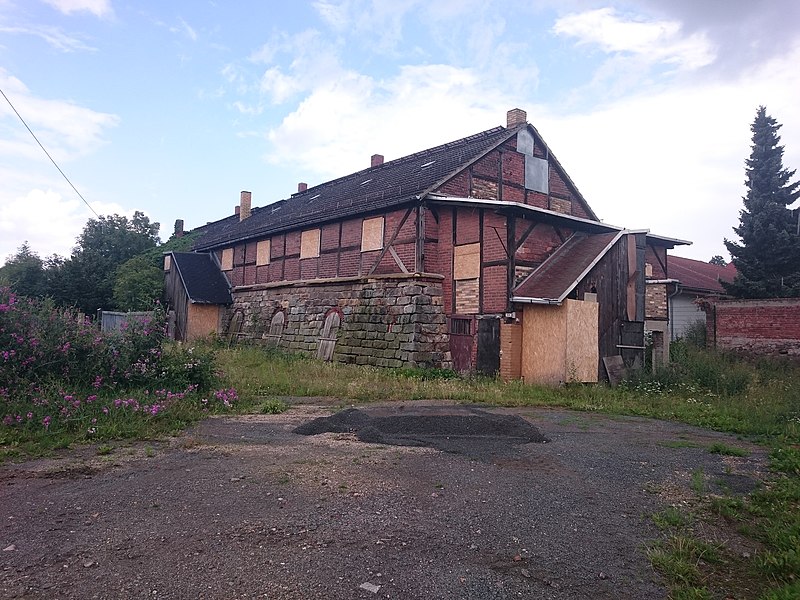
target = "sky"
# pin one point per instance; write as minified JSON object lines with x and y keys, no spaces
{"x":173,"y":108}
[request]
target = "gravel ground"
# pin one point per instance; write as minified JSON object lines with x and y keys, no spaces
{"x":243,"y":507}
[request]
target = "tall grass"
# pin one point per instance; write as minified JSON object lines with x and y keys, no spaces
{"x":701,"y":388}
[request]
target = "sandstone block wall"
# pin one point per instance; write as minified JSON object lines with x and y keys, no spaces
{"x":386,"y":321}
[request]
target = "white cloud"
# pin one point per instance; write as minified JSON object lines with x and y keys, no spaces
{"x":99,"y":8}
{"x":654,"y":41}
{"x":35,"y":202}
{"x":186,"y":29}
{"x":339,"y":126}
{"x":52,"y":35}
{"x":64,"y":128}
{"x":48,"y":221}
{"x":673,"y":161}
{"x":280,"y":86}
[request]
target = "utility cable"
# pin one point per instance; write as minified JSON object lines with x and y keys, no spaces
{"x":48,"y":155}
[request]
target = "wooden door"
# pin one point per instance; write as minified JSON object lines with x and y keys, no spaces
{"x":461,"y":343}
{"x":488,"y":347}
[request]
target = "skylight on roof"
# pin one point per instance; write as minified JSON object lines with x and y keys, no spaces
{"x":365,"y":182}
{"x":427,"y":164}
{"x":314,"y":197}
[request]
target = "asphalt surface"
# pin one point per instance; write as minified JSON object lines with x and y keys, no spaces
{"x":455,"y":502}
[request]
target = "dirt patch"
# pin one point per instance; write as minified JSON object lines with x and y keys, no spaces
{"x":468,"y":431}
{"x":242,"y":507}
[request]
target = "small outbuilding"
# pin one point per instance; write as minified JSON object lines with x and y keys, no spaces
{"x":197,"y":292}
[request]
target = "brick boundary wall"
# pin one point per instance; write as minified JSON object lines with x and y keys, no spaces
{"x":386,"y":321}
{"x":769,"y":327}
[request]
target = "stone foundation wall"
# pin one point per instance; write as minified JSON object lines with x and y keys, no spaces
{"x":386,"y":321}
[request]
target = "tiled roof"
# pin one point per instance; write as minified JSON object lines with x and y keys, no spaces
{"x":391,"y":184}
{"x":698,"y":275}
{"x":561,"y":272}
{"x":202,"y":278}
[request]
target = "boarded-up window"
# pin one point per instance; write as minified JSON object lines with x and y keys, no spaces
{"x":276,"y":328}
{"x":537,"y":174}
{"x":467,"y":261}
{"x":167,"y":262}
{"x":227,"y":259}
{"x":327,"y":341}
{"x":309,"y":243}
{"x":262,"y":252}
{"x":372,"y":234}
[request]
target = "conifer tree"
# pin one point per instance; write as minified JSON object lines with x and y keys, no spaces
{"x":768,"y":257}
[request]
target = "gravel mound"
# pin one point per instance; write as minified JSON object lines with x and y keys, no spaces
{"x":469,"y":431}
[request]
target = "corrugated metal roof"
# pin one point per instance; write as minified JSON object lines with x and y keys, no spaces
{"x":556,"y":277}
{"x":202,"y":278}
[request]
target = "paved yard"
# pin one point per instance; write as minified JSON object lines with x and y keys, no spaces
{"x":243,"y":507}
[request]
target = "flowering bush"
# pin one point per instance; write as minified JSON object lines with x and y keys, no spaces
{"x":58,"y":372}
{"x":40,"y":344}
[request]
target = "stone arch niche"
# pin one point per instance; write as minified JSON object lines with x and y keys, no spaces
{"x":276,"y":326}
{"x":327,"y":339}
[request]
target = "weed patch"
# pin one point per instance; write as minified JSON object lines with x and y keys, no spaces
{"x":720,"y":448}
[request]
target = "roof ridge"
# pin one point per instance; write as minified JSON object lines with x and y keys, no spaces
{"x":407,"y":158}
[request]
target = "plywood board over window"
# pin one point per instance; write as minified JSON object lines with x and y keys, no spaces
{"x":227,"y":259}
{"x":262,"y":252}
{"x":372,"y":234}
{"x":309,"y":243}
{"x":467,"y":261}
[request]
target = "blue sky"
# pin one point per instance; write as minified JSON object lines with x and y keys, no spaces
{"x":172,"y":108}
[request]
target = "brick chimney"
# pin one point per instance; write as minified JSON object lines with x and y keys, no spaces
{"x":376,"y":160}
{"x":236,"y":210}
{"x":178,"y":228}
{"x":244,"y":206}
{"x":515,"y":117}
{"x":301,"y":187}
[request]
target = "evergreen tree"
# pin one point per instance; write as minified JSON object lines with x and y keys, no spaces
{"x":768,"y":257}
{"x":717,"y":260}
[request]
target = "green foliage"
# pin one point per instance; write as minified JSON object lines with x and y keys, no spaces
{"x":426,"y":374}
{"x":86,"y":279}
{"x":786,"y":460}
{"x":669,"y":518}
{"x":717,"y":260}
{"x":790,"y":591}
{"x":678,"y":560}
{"x":24,"y":272}
{"x":139,"y":281}
{"x":695,"y":335}
{"x":138,"y":284}
{"x":720,"y":448}
{"x":692,"y":366}
{"x":62,"y":380}
{"x":769,"y":252}
{"x":273,"y":407}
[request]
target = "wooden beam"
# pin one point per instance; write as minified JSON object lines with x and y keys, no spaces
{"x":481,"y":280}
{"x":397,"y":260}
{"x":391,"y":241}
{"x":525,"y":235}
{"x":419,"y":257}
{"x":511,"y":267}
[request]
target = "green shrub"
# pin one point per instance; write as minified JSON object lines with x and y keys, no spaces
{"x":62,"y":379}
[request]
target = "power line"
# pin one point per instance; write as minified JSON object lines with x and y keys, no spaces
{"x":48,"y":155}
